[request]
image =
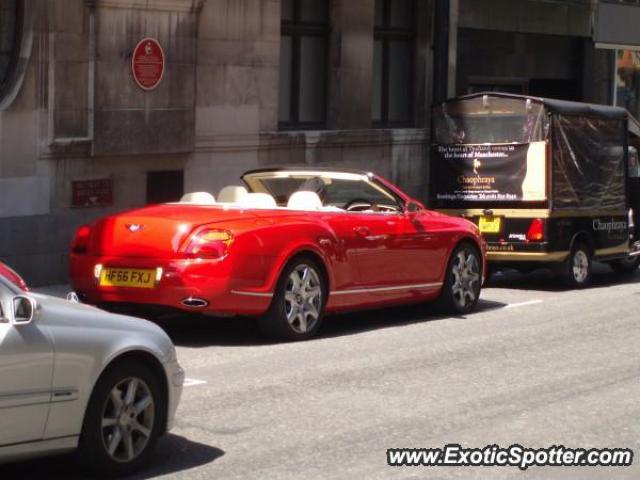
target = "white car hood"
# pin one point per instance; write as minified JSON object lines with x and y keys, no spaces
{"x":56,"y":312}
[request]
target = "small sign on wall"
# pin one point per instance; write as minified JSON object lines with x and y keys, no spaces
{"x":147,"y":63}
{"x":92,"y":193}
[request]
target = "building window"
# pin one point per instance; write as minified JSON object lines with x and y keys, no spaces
{"x":303,"y":63}
{"x":165,"y":186}
{"x":393,"y":62}
{"x":10,"y":14}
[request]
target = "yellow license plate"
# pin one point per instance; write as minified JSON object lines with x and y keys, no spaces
{"x":489,"y":224}
{"x":127,"y":277}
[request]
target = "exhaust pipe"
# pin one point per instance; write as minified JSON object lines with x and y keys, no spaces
{"x":195,"y":302}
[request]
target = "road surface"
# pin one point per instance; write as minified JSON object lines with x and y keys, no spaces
{"x":537,"y":365}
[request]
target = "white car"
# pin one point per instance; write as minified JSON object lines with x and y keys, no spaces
{"x":75,"y":377}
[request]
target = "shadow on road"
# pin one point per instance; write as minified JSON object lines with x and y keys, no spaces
{"x":546,"y":281}
{"x":173,"y":454}
{"x":354,"y":323}
{"x":201,"y":332}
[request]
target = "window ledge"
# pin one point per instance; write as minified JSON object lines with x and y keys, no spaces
{"x":276,"y":139}
{"x":185,"y":6}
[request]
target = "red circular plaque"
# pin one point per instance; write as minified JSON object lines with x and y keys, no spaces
{"x":147,"y":63}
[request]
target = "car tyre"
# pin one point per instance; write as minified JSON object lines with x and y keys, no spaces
{"x":578,"y":267}
{"x":297,"y":309}
{"x":625,"y":266}
{"x":462,"y":282}
{"x":123,"y":421}
{"x":490,"y":270}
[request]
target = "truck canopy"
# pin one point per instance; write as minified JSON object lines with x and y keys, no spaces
{"x":581,"y":165}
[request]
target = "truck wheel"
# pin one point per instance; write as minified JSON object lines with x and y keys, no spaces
{"x":625,"y":266}
{"x":578,"y":266}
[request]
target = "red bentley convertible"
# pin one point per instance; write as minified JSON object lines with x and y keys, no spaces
{"x":287,"y":247}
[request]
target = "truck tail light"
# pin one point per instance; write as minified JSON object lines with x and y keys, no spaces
{"x":209,"y":243}
{"x":81,"y":240}
{"x":536,"y":230}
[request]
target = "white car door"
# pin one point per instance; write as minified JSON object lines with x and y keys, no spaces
{"x":26,"y":369}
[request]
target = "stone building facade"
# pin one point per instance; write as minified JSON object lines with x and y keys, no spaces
{"x":235,"y":71}
{"x":248,"y":84}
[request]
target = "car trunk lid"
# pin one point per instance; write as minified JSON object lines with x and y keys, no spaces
{"x":158,"y":231}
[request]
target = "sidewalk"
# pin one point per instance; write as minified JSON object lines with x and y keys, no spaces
{"x":54,"y":290}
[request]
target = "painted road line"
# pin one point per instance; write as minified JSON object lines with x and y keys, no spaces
{"x":192,"y":382}
{"x":523,"y":304}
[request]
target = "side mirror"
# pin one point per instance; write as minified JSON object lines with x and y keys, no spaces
{"x":413,"y":207}
{"x":24,"y":310}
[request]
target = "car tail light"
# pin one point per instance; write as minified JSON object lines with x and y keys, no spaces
{"x":13,"y":276}
{"x":536,"y":230}
{"x":81,"y":240}
{"x":209,"y":243}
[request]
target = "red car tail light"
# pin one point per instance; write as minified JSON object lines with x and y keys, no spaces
{"x":536,"y":230}
{"x":81,"y":240}
{"x":209,"y":243}
{"x":12,"y":276}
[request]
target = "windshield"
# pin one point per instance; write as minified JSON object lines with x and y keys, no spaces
{"x":489,"y":119}
{"x":348,"y":191}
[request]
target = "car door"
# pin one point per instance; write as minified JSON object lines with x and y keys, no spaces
{"x":421,"y":246}
{"x":372,"y":223}
{"x":345,"y":271}
{"x":374,"y":237}
{"x":26,"y":369}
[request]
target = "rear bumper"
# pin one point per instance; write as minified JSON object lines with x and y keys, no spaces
{"x":524,"y":252}
{"x":544,"y":257}
{"x":214,"y":281}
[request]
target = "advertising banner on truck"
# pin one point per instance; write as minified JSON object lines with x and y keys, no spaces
{"x":494,"y":173}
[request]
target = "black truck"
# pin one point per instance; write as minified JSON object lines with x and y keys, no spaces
{"x":550,"y":183}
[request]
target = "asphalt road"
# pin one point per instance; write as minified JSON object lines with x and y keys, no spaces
{"x":536,"y":365}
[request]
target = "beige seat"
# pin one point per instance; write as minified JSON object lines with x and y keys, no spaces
{"x":304,"y":201}
{"x":257,"y":200}
{"x":232,"y":194}
{"x":200,"y":198}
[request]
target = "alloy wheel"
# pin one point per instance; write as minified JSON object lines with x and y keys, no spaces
{"x":465,"y":273}
{"x":303,"y":298}
{"x":127,"y":420}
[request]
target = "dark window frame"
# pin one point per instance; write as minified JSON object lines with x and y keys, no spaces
{"x":7,"y":79}
{"x":297,"y":29}
{"x":387,"y":34}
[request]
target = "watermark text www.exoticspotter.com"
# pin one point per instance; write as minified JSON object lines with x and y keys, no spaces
{"x":454,"y":455}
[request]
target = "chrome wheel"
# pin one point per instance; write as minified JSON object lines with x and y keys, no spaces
{"x":580,"y":266}
{"x":465,"y":278}
{"x":127,"y":420}
{"x":303,"y":298}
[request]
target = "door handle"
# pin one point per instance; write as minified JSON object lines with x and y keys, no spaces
{"x":362,"y":231}
{"x":376,"y":238}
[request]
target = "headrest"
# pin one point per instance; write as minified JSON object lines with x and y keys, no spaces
{"x":232,"y":194}
{"x":201,"y":198}
{"x":304,"y":201}
{"x":258,"y":200}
